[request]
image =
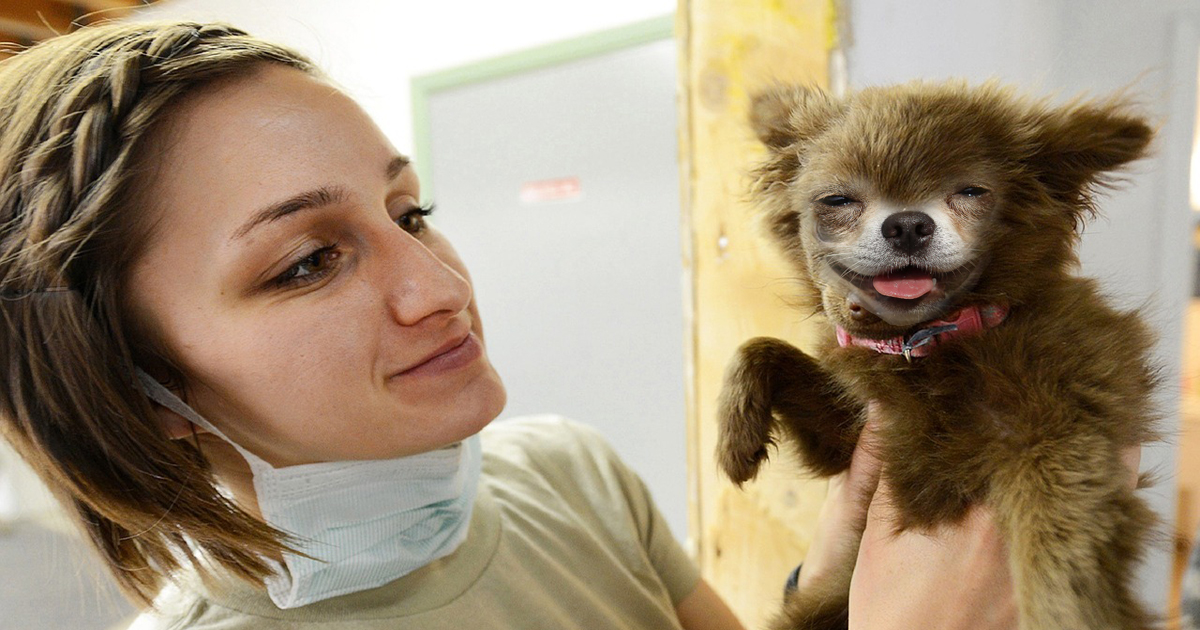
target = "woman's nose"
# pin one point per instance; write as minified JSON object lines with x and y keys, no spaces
{"x":422,"y":285}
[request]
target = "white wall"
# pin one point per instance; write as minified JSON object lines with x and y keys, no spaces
{"x":374,"y":48}
{"x":582,"y":298}
{"x":22,"y":495}
{"x":1141,"y":248}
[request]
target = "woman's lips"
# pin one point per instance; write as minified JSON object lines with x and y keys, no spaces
{"x":451,"y":357}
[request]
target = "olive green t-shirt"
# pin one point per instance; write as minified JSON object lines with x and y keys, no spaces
{"x":563,"y":535}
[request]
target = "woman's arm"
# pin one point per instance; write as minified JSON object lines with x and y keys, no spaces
{"x":955,"y":578}
{"x":703,"y":609}
{"x":951,"y":578}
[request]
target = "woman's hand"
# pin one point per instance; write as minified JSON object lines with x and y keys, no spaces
{"x":950,"y":578}
{"x":843,"y":517}
{"x":954,"y":577}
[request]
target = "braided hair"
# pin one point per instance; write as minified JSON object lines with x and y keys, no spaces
{"x":77,"y":114}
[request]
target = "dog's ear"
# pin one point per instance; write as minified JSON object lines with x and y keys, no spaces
{"x":785,"y":115}
{"x":785,"y":118}
{"x":1079,"y":145}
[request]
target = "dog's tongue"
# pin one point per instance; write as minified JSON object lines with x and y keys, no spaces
{"x":906,"y":284}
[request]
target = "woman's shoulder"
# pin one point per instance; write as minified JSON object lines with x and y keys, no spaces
{"x":175,"y":608}
{"x":559,"y":460}
{"x":548,"y":469}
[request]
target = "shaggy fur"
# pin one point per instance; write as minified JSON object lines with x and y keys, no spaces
{"x":1030,"y":417}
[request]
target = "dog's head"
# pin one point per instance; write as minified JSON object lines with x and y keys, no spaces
{"x":899,"y":204}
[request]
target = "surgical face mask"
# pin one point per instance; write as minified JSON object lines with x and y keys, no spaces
{"x":364,"y":523}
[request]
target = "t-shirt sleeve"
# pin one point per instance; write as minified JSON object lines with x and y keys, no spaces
{"x":679,"y":574}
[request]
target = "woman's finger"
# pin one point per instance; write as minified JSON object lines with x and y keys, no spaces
{"x":843,"y":514}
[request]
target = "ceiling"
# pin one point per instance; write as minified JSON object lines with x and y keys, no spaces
{"x":26,"y":22}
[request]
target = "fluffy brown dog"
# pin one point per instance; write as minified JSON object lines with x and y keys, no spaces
{"x":935,"y":227}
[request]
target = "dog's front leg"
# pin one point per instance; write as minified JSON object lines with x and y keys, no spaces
{"x":772,"y":385}
{"x":1074,"y":527}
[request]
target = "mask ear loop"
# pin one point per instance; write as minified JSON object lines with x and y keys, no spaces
{"x":160,"y":394}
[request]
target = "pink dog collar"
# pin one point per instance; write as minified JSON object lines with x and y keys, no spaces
{"x":968,"y":321}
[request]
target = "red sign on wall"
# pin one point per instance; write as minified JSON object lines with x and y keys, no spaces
{"x":561,"y":189}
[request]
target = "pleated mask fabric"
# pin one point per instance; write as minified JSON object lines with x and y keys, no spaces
{"x":363,"y":523}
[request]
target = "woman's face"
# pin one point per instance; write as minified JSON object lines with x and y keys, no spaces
{"x":314,"y":313}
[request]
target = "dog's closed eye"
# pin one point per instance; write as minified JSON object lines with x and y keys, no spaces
{"x":835,"y":201}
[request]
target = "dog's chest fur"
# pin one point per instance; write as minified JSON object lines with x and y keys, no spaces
{"x":950,"y":417}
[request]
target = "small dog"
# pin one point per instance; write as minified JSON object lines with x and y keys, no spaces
{"x":935,"y":227}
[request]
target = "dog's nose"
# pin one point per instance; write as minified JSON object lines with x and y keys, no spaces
{"x":909,"y":231}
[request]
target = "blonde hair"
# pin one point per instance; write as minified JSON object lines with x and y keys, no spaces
{"x":76,"y":118}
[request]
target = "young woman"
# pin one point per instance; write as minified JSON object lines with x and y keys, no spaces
{"x":257,"y":377}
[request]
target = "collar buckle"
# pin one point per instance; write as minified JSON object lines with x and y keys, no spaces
{"x":923,"y":337}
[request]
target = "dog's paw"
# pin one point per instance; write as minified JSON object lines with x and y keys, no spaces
{"x":742,"y":464}
{"x":745,"y":421}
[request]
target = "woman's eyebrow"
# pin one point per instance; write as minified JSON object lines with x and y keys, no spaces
{"x":396,"y":165}
{"x":312,"y":199}
{"x":307,"y":200}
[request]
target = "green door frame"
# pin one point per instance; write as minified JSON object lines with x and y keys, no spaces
{"x":425,"y":86}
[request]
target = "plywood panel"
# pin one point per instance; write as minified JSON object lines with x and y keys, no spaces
{"x":747,"y":540}
{"x":1188,"y":517}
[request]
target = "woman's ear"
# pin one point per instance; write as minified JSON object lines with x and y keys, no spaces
{"x":161,"y":397}
{"x":1080,"y":145}
{"x":174,"y":425}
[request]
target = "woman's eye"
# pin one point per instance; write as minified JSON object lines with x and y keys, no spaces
{"x":311,"y":268}
{"x":413,"y":221}
{"x":835,"y":201}
{"x":973,"y":191}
